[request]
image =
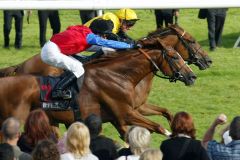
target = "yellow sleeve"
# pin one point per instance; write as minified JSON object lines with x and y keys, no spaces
{"x":108,"y":16}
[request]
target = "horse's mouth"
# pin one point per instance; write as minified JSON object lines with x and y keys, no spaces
{"x":204,"y":63}
{"x":189,"y":80}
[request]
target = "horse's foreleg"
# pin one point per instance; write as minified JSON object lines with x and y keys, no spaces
{"x":122,"y":129}
{"x":149,"y":110}
{"x":135,"y":118}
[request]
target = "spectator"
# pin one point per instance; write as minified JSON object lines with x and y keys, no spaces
{"x":123,"y":20}
{"x":87,"y":15}
{"x":101,"y":146}
{"x":36,"y":128}
{"x":6,"y":152}
{"x":139,"y":140}
{"x":61,"y":144}
{"x":54,"y":20}
{"x":165,"y":15}
{"x":46,"y":150}
{"x":215,"y":20}
{"x":11,"y":134}
{"x":151,"y":154}
{"x":77,"y":143}
{"x":221,"y":151}
{"x":18,"y":17}
{"x":182,"y":144}
{"x":56,"y":52}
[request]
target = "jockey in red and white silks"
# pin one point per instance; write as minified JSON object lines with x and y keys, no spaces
{"x":74,"y":40}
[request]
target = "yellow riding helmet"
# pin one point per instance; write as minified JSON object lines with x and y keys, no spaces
{"x":127,"y":14}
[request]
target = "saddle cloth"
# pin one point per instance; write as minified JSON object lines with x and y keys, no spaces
{"x":46,"y":85}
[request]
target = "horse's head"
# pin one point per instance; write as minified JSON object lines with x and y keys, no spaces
{"x":190,"y":49}
{"x":172,"y":65}
{"x":183,"y":42}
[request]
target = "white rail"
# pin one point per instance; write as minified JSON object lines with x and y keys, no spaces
{"x":116,"y":4}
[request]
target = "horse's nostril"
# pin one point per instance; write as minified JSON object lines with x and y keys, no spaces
{"x":210,"y":61}
{"x":194,"y":77}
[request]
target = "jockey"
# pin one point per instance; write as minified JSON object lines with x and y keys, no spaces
{"x":123,"y":20}
{"x":57,"y":52}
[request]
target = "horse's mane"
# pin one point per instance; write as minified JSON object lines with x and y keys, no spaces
{"x":122,"y":53}
{"x":159,"y":32}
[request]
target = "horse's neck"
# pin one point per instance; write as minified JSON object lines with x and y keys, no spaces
{"x":135,"y":67}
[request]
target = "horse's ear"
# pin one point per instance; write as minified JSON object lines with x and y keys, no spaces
{"x":162,"y":44}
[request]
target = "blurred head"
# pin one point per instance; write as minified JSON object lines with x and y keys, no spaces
{"x":94,"y":124}
{"x":101,"y":27}
{"x":37,"y":127}
{"x":139,"y":140}
{"x":46,"y":150}
{"x":151,"y":154}
{"x":128,"y":18}
{"x":183,"y":124}
{"x":11,"y":129}
{"x":78,"y":139}
{"x":6,"y":152}
{"x":234,"y":130}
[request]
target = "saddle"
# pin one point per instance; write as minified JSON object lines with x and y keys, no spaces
{"x":49,"y":104}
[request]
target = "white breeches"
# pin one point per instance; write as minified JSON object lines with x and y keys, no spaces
{"x":52,"y":55}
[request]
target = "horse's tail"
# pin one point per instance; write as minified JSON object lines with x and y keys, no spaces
{"x":9,"y":71}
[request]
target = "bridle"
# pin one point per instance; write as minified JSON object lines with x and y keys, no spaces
{"x":176,"y":71}
{"x":192,"y":54}
{"x":193,"y":59}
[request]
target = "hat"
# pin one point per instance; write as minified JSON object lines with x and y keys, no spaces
{"x":101,"y":26}
{"x":127,"y":14}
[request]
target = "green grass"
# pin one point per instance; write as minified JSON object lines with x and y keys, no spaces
{"x":216,"y":90}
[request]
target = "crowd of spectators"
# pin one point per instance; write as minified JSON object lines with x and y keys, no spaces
{"x":85,"y":141}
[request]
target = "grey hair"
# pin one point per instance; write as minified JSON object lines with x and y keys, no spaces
{"x":151,"y":154}
{"x":139,"y":140}
{"x":10,"y":128}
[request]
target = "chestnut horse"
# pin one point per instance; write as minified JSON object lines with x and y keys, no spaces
{"x":108,"y":89}
{"x":175,"y":36}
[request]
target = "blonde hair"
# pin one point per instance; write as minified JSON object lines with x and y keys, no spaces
{"x":151,"y":154}
{"x":78,"y":139}
{"x":139,"y":140}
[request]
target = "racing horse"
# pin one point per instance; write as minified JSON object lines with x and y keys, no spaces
{"x":108,"y":88}
{"x":175,"y":36}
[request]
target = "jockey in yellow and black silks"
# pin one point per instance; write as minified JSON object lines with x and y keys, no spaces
{"x":123,"y":20}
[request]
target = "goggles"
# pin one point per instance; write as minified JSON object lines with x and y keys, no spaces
{"x":129,"y":23}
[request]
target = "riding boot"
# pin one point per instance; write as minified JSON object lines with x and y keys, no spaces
{"x":59,"y":90}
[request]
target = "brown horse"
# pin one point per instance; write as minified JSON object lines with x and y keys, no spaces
{"x":174,"y":36}
{"x":108,"y":88}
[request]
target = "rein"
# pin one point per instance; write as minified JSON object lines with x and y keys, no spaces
{"x":154,"y":64}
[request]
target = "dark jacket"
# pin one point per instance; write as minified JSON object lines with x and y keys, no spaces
{"x":103,"y":147}
{"x":171,"y":149}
